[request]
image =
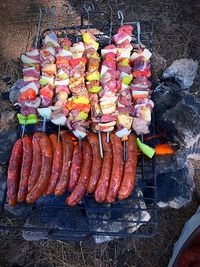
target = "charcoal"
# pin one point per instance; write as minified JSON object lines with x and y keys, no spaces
{"x":175,"y":188}
{"x":2,"y":184}
{"x":7,"y":140}
{"x":180,"y":122}
{"x":183,"y":71}
{"x":170,"y":163}
{"x":165,"y":96}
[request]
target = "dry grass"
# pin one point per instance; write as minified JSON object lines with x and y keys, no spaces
{"x":125,"y":252}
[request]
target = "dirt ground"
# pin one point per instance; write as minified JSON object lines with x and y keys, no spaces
{"x":176,"y":34}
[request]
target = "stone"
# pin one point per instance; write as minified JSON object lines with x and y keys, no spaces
{"x":183,"y":71}
{"x":8,"y":137}
{"x":181,"y":123}
{"x":14,"y":92}
{"x":175,"y":188}
{"x":165,"y":96}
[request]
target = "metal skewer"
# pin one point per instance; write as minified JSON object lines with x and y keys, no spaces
{"x":44,"y":124}
{"x":23,"y":129}
{"x":121,"y":17}
{"x":124,"y":150}
{"x":110,"y":39}
{"x":58,"y":133}
{"x":138,"y":34}
{"x":107,"y":137}
{"x":100,"y":144}
{"x":80,"y":141}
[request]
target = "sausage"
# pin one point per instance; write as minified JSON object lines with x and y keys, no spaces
{"x":117,"y":168}
{"x":102,"y":185}
{"x":13,"y":172}
{"x":45,"y":174}
{"x":96,"y":162}
{"x":25,"y":169}
{"x":75,"y":168}
{"x":57,"y":164}
{"x":128,"y":180}
{"x":36,"y":164}
{"x":81,"y":187}
{"x":68,"y":147}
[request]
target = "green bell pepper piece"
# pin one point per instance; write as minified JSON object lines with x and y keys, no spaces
{"x":30,"y":119}
{"x":147,"y":150}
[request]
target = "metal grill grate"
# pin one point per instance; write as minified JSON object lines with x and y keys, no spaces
{"x":49,"y":215}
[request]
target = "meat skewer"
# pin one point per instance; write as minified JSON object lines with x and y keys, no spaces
{"x":79,"y":103}
{"x":125,"y":105}
{"x":93,"y":77}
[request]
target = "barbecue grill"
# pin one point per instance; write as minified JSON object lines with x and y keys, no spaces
{"x":89,"y":218}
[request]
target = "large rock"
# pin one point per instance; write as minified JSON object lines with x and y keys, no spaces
{"x":183,"y":71}
{"x":177,"y":114}
{"x":165,"y":96}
